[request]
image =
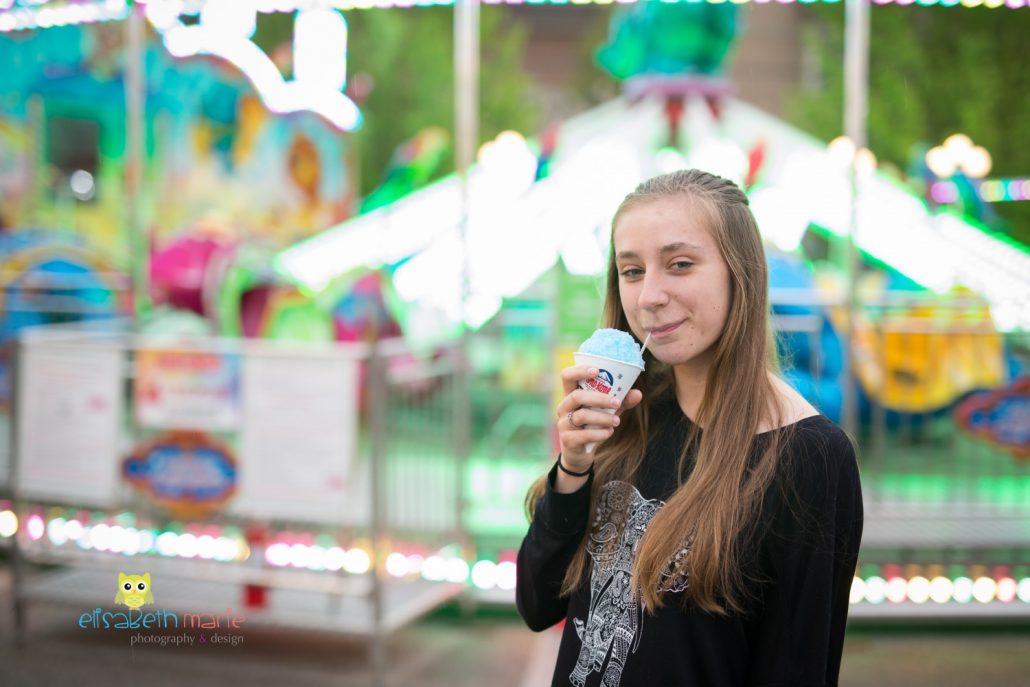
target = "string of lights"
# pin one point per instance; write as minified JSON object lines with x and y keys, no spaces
{"x":874,"y":584}
{"x":989,"y":190}
{"x":22,"y":15}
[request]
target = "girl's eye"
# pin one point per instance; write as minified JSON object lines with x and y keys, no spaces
{"x":630,"y":272}
{"x":682,"y":264}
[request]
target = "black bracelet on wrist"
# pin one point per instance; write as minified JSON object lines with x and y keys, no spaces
{"x":589,"y":471}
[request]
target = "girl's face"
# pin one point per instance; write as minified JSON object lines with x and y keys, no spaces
{"x":673,"y":281}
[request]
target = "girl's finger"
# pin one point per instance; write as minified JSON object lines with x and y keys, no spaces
{"x":632,"y":400}
{"x":585,"y":398}
{"x":584,"y":418}
{"x":571,"y":376}
{"x":575,"y":440}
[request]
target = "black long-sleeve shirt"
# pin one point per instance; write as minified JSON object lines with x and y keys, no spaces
{"x":801,"y":568}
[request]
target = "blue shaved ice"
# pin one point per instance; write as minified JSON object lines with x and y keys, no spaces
{"x":614,"y":344}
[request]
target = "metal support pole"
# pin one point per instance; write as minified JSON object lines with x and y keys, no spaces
{"x":135,"y":112}
{"x":466,"y":81}
{"x":466,"y":109}
{"x":18,"y":562}
{"x":377,"y":395}
{"x":37,"y":169}
{"x":856,"y":93}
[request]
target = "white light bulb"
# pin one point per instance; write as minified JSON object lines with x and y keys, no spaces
{"x":958,"y":144}
{"x":976,"y":163}
{"x":484,"y":575}
{"x":857,"y":590}
{"x":941,"y":162}
{"x":841,"y":150}
{"x":865,"y":163}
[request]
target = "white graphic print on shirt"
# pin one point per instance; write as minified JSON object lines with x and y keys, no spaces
{"x":613,"y":625}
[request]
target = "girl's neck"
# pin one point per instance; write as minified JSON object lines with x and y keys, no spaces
{"x":690,"y":389}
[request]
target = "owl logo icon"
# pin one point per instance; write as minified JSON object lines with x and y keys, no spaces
{"x":134,"y":590}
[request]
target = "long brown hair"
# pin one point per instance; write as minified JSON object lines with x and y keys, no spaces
{"x":716,"y":506}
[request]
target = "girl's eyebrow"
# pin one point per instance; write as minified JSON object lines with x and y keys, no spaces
{"x":671,"y":248}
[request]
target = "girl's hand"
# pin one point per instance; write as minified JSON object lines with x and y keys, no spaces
{"x":583,"y":417}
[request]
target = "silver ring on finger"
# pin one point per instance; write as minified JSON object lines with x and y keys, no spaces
{"x":573,"y":422}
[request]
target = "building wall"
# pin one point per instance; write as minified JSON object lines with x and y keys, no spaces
{"x":767,"y":61}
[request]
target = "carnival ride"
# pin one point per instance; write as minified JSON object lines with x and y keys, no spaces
{"x":519,"y":228}
{"x":415,"y":264}
{"x":46,"y":281}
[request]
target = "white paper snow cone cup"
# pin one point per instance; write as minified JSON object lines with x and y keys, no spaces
{"x":614,"y":378}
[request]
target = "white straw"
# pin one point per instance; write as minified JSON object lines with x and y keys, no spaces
{"x":643,"y":346}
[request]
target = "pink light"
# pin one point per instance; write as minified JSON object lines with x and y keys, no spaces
{"x":943,"y":192}
{"x":897,"y":589}
{"x":278,"y":554}
{"x":35,"y":527}
{"x":507,"y":556}
{"x":300,"y":555}
{"x":1006,"y":590}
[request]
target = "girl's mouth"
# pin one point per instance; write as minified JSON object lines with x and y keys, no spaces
{"x":666,"y":330}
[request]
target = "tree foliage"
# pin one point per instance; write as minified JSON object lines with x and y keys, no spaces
{"x":933,"y":72}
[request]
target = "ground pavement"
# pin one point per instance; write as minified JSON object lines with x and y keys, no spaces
{"x":488,"y":648}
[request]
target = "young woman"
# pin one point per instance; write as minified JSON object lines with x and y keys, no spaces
{"x":711,"y":538}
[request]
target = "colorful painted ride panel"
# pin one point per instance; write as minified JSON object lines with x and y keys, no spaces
{"x":191,"y":474}
{"x":923,"y":358}
{"x":1001,"y":417}
{"x":44,"y":281}
{"x":214,"y":152}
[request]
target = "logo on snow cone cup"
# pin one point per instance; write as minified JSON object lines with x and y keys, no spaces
{"x":614,"y":378}
{"x":603,"y":382}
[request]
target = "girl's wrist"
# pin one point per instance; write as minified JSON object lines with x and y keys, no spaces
{"x":564,"y":483}
{"x":575,"y":471}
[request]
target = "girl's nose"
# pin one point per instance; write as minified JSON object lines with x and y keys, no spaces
{"x":653,"y":293}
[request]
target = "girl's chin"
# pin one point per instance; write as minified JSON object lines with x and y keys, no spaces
{"x":670,"y":355}
{"x":661,"y":357}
